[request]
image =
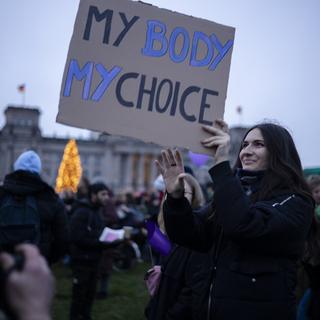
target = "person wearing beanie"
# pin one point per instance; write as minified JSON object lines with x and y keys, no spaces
{"x":86,"y":249}
{"x":24,"y":182}
{"x":28,"y":161}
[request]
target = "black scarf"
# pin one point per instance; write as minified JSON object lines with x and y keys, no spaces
{"x":250,"y":180}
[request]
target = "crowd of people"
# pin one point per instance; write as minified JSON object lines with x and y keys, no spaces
{"x":67,"y":227}
{"x":251,"y":251}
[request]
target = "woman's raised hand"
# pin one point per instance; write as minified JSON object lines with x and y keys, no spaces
{"x":219,"y":140}
{"x":171,"y":167}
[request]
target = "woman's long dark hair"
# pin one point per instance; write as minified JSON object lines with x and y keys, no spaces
{"x":284,"y":172}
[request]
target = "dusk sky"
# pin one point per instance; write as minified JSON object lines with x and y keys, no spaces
{"x":275,"y":66}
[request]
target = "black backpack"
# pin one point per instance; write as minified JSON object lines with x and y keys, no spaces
{"x":19,"y":221}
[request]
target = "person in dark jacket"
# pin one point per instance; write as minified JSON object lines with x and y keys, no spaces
{"x":309,"y":304}
{"x":110,"y":219}
{"x":25,"y":180}
{"x":177,"y":286}
{"x":174,"y":296}
{"x":86,"y":250}
{"x":258,"y":225}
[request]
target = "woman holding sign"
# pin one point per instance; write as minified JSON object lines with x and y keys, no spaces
{"x":260,"y":218}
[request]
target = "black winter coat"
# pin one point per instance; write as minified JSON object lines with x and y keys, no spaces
{"x":53,"y":220}
{"x":86,"y":227}
{"x":254,"y":249}
{"x":173,"y":299}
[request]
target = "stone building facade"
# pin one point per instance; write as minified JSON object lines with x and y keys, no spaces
{"x":122,"y":163}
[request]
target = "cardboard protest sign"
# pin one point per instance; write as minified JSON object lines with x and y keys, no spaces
{"x":148,"y":73}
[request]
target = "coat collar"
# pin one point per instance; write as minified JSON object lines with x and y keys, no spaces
{"x":250,"y":180}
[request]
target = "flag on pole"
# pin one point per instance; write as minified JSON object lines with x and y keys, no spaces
{"x":239,"y":109}
{"x":22,"y":88}
{"x":239,"y":112}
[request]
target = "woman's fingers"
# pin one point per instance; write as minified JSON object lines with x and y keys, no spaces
{"x":174,"y":157}
{"x":219,"y":127}
{"x":165,"y":160}
{"x":170,"y":165}
{"x":218,"y":135}
{"x":213,"y":141}
{"x":222,"y":125}
{"x":171,"y":158}
{"x":207,"y":140}
{"x":179,"y":158}
{"x":211,"y":129}
{"x":212,"y":145}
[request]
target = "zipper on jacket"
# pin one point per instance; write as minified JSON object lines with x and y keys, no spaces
{"x":284,"y":201}
{"x":210,"y":300}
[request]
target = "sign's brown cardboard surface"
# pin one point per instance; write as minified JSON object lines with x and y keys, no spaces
{"x":139,"y":71}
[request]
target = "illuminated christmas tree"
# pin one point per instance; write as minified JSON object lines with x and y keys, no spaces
{"x":70,"y":168}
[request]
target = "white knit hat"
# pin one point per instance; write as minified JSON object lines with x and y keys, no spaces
{"x":28,"y":161}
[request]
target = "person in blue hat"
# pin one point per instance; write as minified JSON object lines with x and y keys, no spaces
{"x":25,"y":182}
{"x":28,"y":161}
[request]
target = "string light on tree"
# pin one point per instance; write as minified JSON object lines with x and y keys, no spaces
{"x":70,"y":169}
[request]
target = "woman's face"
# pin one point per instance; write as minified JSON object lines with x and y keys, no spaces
{"x":254,"y":154}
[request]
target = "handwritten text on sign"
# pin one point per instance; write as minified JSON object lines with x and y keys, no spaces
{"x":139,"y":71}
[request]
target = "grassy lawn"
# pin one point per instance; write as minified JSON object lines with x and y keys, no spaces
{"x":127,"y":297}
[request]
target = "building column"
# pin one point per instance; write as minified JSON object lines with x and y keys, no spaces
{"x":128,"y":172}
{"x":140,"y":185}
{"x":114,"y":165}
